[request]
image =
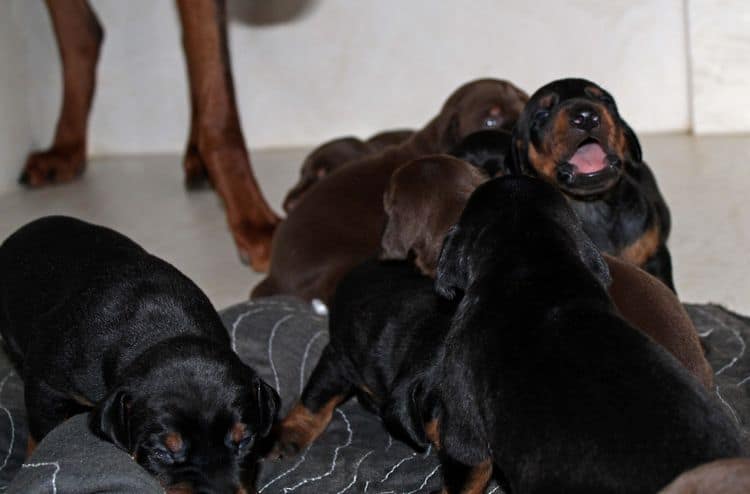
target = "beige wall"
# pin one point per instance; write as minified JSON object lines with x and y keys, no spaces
{"x":308,"y":70}
{"x":15,"y":125}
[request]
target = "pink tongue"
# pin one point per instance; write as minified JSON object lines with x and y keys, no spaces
{"x":589,"y":158}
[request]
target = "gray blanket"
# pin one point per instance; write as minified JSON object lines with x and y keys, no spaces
{"x":282,"y":339}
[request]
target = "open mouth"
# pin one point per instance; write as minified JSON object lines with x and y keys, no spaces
{"x":589,"y":157}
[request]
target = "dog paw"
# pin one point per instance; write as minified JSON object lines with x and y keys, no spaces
{"x":56,"y":165}
{"x":254,"y":243}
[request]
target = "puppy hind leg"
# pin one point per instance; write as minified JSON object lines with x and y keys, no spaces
{"x":464,"y":479}
{"x":327,"y":388}
{"x":79,"y":38}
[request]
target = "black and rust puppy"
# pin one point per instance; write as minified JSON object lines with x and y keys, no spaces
{"x":387,"y":328}
{"x":541,"y":375}
{"x":537,"y":374}
{"x":96,"y":323}
{"x":572,"y":135}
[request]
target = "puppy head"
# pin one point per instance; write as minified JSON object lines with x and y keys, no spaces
{"x":572,"y":135}
{"x":190,"y":425}
{"x":321,"y":162}
{"x":423,"y":199}
{"x":488,"y":150}
{"x":479,"y":105}
{"x":512,"y":213}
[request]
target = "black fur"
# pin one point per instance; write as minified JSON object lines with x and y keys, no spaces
{"x":620,"y":203}
{"x":96,"y":323}
{"x":486,"y":149}
{"x":562,"y":393}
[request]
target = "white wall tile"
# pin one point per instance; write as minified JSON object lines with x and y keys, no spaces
{"x":720,"y":65}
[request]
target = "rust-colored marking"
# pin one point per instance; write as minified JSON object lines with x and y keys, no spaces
{"x":173,"y":442}
{"x":643,"y":248}
{"x":478,"y":478}
{"x":30,"y":447}
{"x":238,"y":432}
{"x":432,"y":431}
{"x":302,"y":426}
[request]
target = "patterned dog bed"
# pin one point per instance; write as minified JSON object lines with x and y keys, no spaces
{"x":282,"y":339}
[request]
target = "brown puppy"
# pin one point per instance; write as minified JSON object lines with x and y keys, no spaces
{"x":423,"y":200}
{"x":718,"y":477}
{"x":334,"y":154}
{"x":339,"y":222}
{"x":216,"y":148}
{"x":426,"y":197}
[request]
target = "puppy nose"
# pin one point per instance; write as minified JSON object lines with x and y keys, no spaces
{"x":585,"y":119}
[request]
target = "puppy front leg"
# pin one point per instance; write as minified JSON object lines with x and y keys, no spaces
{"x":326,"y":389}
{"x":464,"y":479}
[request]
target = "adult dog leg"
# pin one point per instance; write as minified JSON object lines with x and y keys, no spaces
{"x":79,"y":37}
{"x":326,"y":389}
{"x":216,"y":147}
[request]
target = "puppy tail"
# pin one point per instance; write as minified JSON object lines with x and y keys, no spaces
{"x":403,"y":415}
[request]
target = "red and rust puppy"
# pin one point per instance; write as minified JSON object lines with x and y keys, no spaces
{"x":216,"y":148}
{"x":339,"y":222}
{"x":571,"y":134}
{"x":425,"y":198}
{"x":98,"y":324}
{"x":334,"y":154}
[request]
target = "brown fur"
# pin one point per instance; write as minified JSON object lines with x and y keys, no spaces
{"x":423,"y":200}
{"x":642,"y":299}
{"x":332,"y":155}
{"x":338,"y":223}
{"x":432,"y":432}
{"x":642,"y":249}
{"x":302,"y":426}
{"x":719,"y":477}
{"x":216,"y":148}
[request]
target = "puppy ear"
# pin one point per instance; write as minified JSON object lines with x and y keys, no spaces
{"x":452,"y":274}
{"x":110,"y":420}
{"x":634,"y":146}
{"x":267,"y":402}
{"x":392,"y":245}
{"x":593,"y":259}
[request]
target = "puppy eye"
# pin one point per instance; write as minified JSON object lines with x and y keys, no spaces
{"x":246,"y":442}
{"x":163,"y":456}
{"x":541,"y":115}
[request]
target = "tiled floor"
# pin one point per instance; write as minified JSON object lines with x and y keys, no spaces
{"x":706,"y":182}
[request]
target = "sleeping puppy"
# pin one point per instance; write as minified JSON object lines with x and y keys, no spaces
{"x":541,"y":376}
{"x":571,"y":134}
{"x":334,"y":154}
{"x":95,"y":323}
{"x":339,"y":222}
{"x":425,"y":198}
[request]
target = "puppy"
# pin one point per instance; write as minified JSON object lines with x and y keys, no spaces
{"x":332,"y":155}
{"x":541,"y":376}
{"x":339,"y":222}
{"x":571,"y":134}
{"x":387,"y":323}
{"x":534,"y":374}
{"x":425,"y":198}
{"x":96,"y":323}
